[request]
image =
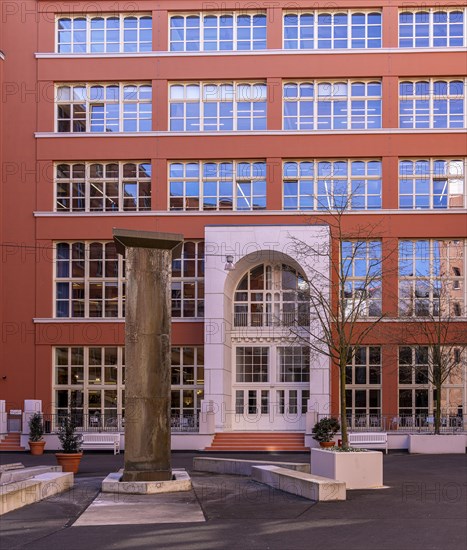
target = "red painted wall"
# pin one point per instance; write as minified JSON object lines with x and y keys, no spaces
{"x":27,"y":100}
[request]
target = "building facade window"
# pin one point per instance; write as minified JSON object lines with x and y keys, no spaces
{"x":252,"y":364}
{"x":103,"y":186}
{"x":432,"y":183}
{"x":104,"y":34}
{"x":363,"y":386}
{"x":272,"y":382}
{"x":89,"y":280}
{"x":187,"y":379}
{"x":188,"y":281}
{"x":217,"y":107}
{"x":344,"y":30}
{"x":210,"y":185}
{"x":271,"y":295}
{"x":104,"y":107}
{"x":196,"y":32}
{"x":432,"y":103}
{"x":432,"y":28}
{"x":328,"y":184}
{"x":316,"y":105}
{"x":294,"y":364}
{"x":418,"y":397}
{"x":361,"y":269}
{"x":89,"y":383}
{"x":431,"y":278}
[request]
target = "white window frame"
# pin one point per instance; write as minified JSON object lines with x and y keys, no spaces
{"x":89,"y":181}
{"x":86,"y":386}
{"x":371,"y":416}
{"x":201,"y":180}
{"x":219,"y":95}
{"x":121,"y":29}
{"x":140,"y":87}
{"x":462,"y":90}
{"x":197,"y":387}
{"x":201,"y":27}
{"x":430,"y":14}
{"x":371,"y":253}
{"x":313,"y":180}
{"x":333,"y":97}
{"x":197,"y":280}
{"x":413,"y":284}
{"x":86,"y":280}
{"x":349,"y":26}
{"x":454,"y":176}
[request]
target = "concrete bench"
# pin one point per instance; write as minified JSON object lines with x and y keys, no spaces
{"x":369,"y":440}
{"x":18,"y":494}
{"x":240,"y":467}
{"x":101,"y":441}
{"x":304,"y":485}
{"x":21,"y":474}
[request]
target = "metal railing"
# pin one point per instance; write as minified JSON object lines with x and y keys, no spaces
{"x":407,"y":423}
{"x":284,"y":319}
{"x":113,"y":423}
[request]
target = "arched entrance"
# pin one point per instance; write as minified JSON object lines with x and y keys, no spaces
{"x":270,"y":363}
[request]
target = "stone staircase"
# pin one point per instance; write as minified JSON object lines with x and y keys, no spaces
{"x":258,"y":441}
{"x":11,"y":442}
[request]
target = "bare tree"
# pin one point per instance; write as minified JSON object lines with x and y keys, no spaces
{"x":346,"y":300}
{"x":431,"y":299}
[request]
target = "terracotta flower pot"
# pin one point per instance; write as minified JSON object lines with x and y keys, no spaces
{"x":37,"y":447}
{"x":327,"y":443}
{"x":69,"y":461}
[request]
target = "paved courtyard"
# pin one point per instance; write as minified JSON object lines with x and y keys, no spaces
{"x":423,"y":507}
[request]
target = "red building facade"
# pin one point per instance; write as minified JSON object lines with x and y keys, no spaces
{"x":182,"y":116}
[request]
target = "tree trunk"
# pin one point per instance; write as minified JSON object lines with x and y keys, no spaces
{"x":438,"y":411}
{"x":345,"y":438}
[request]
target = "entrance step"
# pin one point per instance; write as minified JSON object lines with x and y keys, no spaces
{"x":11,"y":442}
{"x":258,"y":441}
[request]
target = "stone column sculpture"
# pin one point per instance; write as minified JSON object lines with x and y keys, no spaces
{"x":147,"y":352}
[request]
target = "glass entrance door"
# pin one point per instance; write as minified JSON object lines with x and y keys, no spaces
{"x":271,"y":388}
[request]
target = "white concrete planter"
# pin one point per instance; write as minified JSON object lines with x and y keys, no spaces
{"x":362,"y":470}
{"x":437,"y":444}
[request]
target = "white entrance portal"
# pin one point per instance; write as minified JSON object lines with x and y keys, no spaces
{"x":259,"y":375}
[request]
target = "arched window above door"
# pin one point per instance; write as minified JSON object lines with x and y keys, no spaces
{"x":272,"y":295}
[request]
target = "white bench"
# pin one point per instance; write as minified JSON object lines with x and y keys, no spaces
{"x":369,"y":440}
{"x":101,"y":441}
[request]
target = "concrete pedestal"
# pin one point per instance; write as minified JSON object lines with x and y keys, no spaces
{"x":147,"y":353}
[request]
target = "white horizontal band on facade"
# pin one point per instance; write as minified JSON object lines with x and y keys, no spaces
{"x":183,"y":214}
{"x":92,"y":320}
{"x":444,"y":50}
{"x":382,"y":131}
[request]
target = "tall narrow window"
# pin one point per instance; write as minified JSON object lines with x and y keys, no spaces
{"x":188,"y":281}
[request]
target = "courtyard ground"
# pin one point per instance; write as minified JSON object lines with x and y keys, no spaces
{"x":423,"y":507}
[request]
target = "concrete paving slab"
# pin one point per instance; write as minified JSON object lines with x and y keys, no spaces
{"x":113,"y":509}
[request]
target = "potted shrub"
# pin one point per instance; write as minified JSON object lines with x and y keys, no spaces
{"x":36,"y":431}
{"x":70,"y":442}
{"x":324,"y":431}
